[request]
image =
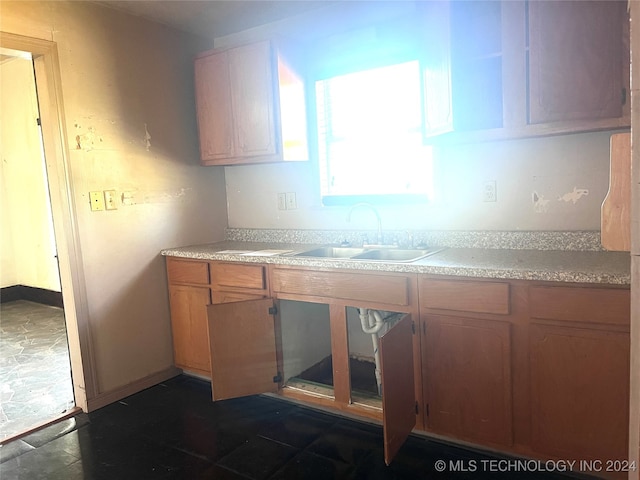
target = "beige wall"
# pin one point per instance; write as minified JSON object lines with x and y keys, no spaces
{"x":27,"y":248}
{"x":551,"y":167}
{"x":124,"y":80}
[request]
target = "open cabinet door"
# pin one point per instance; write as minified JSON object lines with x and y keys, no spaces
{"x":398,"y":395}
{"x":243,"y":348}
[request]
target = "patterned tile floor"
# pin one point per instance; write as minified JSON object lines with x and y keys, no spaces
{"x":174,"y":431}
{"x":35,"y":375}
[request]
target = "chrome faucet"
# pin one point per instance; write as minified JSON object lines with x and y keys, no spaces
{"x":379,"y":239}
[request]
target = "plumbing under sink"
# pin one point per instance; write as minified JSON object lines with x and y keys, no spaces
{"x":372,"y":255}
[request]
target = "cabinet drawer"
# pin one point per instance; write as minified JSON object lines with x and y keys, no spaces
{"x":578,"y":304}
{"x":393,"y":290}
{"x":187,"y":271}
{"x":465,"y":296}
{"x":238,"y":276}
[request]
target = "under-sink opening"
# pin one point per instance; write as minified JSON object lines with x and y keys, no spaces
{"x":306,"y":350}
{"x":306,"y":347}
{"x":365,"y":327}
{"x":318,"y":379}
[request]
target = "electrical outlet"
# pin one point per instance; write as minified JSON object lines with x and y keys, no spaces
{"x":96,"y":201}
{"x":489,"y":191}
{"x":292,"y":203}
{"x":282,"y":201}
{"x":110,"y":199}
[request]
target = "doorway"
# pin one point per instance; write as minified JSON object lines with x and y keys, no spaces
{"x":65,"y":240}
{"x":35,"y":371}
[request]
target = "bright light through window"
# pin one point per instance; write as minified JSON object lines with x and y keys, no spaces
{"x":370,"y":135}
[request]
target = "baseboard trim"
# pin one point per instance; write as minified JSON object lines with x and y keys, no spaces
{"x":10,"y":294}
{"x":32,"y":294}
{"x":63,"y":416}
{"x":106,"y":398}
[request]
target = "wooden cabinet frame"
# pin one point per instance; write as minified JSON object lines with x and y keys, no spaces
{"x":193,"y":285}
{"x":245,"y":342}
{"x":579,"y":348}
{"x":558,"y":365}
{"x":566,"y":364}
{"x":467,"y":330}
{"x":240,"y":111}
{"x":528,"y":85}
{"x":517,"y":335}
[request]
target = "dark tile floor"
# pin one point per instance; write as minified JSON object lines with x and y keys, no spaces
{"x":35,"y":374}
{"x":174,"y":431}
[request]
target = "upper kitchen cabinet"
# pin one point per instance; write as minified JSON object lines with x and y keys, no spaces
{"x":575,"y":61}
{"x":496,"y":69}
{"x":250,"y":105}
{"x":462,"y":66}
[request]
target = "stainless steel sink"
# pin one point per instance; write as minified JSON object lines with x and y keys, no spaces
{"x":331,"y":252}
{"x":369,"y":254}
{"x":395,"y":255}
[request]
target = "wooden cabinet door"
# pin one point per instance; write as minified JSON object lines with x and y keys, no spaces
{"x":467,"y":365}
{"x":462,"y":66}
{"x":398,"y":390}
{"x":251,"y":71}
{"x":436,"y":69}
{"x":242,"y":346}
{"x":575,"y":60}
{"x":213,"y":105}
{"x":189,"y":326}
{"x":579,"y":392}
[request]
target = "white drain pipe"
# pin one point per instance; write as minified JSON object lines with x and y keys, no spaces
{"x":372,"y":322}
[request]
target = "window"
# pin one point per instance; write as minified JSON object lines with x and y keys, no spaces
{"x":370,"y":140}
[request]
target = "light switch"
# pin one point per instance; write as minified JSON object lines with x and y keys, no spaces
{"x":110,"y":200}
{"x":282,"y":201}
{"x":291,"y":201}
{"x":97,"y":201}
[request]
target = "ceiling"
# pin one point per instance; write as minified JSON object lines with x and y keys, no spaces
{"x":215,"y":18}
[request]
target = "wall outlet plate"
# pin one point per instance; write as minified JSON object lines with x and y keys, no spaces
{"x":489,"y":193}
{"x":292,"y":202}
{"x":97,"y":201}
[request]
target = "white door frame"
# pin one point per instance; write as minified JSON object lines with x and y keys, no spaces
{"x":54,"y":138}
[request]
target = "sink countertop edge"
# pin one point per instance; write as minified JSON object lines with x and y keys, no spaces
{"x":611,"y":268}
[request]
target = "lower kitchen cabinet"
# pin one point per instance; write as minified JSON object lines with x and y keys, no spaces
{"x":467,"y":356}
{"x":189,"y":295}
{"x":467,"y":373}
{"x":189,"y":327}
{"x":579,"y":360}
{"x":579,"y":392}
{"x":246,"y":359}
{"x":538,"y":369}
{"x":193,"y":285}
